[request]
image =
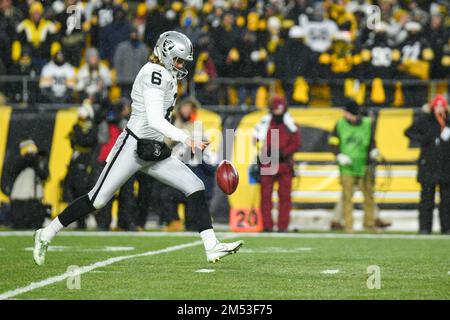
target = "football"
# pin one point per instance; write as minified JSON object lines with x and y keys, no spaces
{"x":227,"y":177}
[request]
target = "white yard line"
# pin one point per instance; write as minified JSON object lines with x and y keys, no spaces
{"x":205,"y":270}
{"x":225,"y":235}
{"x":330,"y":271}
{"x":49,"y":281}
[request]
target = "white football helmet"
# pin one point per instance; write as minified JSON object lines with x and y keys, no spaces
{"x":172,"y":46}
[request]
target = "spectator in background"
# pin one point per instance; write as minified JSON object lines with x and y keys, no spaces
{"x":353,"y":143}
{"x":23,"y":181}
{"x":344,"y":19}
{"x":157,"y":22}
{"x":445,"y":60}
{"x":5,"y":47}
{"x":140,"y":20}
{"x":432,"y":131}
{"x":72,"y":29}
{"x":9,"y":19}
{"x":438,"y":36}
{"x":416,"y":58}
{"x":279,"y":120}
{"x":113,"y":34}
{"x":13,"y":14}
{"x":189,"y":25}
{"x":57,"y":80}
{"x":380,"y":61}
{"x":300,"y":7}
{"x":296,"y":67}
{"x":226,"y":41}
{"x":38,"y":35}
{"x":102,"y":16}
{"x":251,"y":63}
{"x":83,"y":140}
{"x":319,"y":30}
{"x":93,"y":78}
{"x":205,"y":72}
{"x":129,"y":58}
{"x":341,"y":63}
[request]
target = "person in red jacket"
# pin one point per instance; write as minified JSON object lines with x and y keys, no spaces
{"x":281,"y":165}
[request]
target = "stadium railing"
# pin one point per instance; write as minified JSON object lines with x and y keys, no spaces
{"x":22,"y":89}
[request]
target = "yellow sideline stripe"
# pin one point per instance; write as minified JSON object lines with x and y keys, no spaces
{"x":60,"y":154}
{"x":5,"y":115}
{"x":314,"y":156}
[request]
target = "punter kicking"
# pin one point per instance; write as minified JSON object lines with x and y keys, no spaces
{"x":141,"y":147}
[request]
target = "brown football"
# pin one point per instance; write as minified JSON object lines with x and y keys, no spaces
{"x":227,"y":177}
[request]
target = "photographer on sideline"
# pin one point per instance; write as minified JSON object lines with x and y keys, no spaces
{"x":23,"y":181}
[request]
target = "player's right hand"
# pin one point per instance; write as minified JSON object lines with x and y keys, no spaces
{"x":196,"y":144}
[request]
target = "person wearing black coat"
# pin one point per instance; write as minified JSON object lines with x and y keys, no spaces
{"x":83,"y":140}
{"x":432,"y":132}
{"x":23,"y":182}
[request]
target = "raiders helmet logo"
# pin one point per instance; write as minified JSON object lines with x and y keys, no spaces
{"x":168,"y":45}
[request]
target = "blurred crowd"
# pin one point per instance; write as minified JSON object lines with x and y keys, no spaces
{"x":376,"y":52}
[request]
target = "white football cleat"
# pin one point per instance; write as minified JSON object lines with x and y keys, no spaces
{"x":40,"y":248}
{"x":221,"y":250}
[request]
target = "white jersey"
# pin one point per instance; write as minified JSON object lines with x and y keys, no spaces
{"x":58,"y":78}
{"x":154,"y":95}
{"x":319,"y":35}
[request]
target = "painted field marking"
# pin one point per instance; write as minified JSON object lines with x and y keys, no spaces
{"x":330,"y":271}
{"x":36,"y":285}
{"x":205,"y":270}
{"x":80,"y":249}
{"x":85,"y":269}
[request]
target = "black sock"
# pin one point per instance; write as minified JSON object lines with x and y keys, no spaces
{"x":198,"y":208}
{"x":81,"y":207}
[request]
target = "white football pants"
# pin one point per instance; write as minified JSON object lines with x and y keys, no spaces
{"x":123,"y":162}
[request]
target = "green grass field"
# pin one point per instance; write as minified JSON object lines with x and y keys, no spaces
{"x":276,"y":266}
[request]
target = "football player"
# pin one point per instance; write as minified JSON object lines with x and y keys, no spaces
{"x":141,"y":147}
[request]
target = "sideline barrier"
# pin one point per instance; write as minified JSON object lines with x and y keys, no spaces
{"x":316,"y":186}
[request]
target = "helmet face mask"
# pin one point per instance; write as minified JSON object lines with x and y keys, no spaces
{"x":179,"y":67}
{"x":173,"y":49}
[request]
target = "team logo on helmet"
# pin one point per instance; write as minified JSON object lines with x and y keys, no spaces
{"x":168,"y":45}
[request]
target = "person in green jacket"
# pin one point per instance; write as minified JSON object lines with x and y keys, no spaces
{"x":353,"y":143}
